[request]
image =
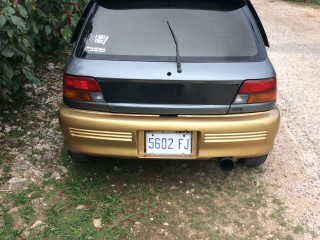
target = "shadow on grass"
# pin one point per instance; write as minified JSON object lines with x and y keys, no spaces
{"x":119,"y":172}
{"x":147,"y":198}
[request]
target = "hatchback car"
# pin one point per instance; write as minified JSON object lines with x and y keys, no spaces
{"x":176,"y":79}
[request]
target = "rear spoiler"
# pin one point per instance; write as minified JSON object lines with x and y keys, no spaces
{"x":258,"y":22}
{"x":247,"y":2}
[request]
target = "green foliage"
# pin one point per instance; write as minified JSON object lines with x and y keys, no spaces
{"x":16,"y":50}
{"x":27,"y":27}
{"x":55,"y":21}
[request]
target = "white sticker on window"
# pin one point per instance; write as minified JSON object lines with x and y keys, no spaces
{"x":97,"y":38}
{"x":95,"y":49}
{"x":102,"y":39}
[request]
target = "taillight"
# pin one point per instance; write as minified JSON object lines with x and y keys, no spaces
{"x":257,"y":91}
{"x":81,"y":83}
{"x":81,"y":88}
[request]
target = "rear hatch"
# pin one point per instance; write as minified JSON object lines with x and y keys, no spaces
{"x":133,"y":49}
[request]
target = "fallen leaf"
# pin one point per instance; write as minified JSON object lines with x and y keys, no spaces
{"x":81,"y":207}
{"x":97,"y":223}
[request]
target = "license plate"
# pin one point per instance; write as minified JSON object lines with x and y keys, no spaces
{"x":168,"y":143}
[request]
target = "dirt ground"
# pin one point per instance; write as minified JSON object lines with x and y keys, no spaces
{"x":294,"y":169}
{"x":40,"y":186}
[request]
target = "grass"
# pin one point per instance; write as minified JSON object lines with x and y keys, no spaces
{"x":5,"y":161}
{"x":143,"y":200}
{"x":141,"y":190}
{"x":27,"y":213}
{"x":7,"y":230}
{"x":19,"y":198}
{"x":298,"y":229}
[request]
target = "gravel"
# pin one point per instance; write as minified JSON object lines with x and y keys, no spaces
{"x":16,"y":181}
{"x":294,"y":167}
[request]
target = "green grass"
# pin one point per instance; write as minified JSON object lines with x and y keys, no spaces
{"x":7,"y":231}
{"x":298,"y":229}
{"x":27,"y":213}
{"x":123,"y":192}
{"x":5,"y":157}
{"x":16,"y":133}
{"x":147,"y":192}
{"x":19,"y":198}
{"x":83,"y":187}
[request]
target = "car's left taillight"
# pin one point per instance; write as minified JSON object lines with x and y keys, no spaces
{"x":81,"y":88}
{"x":257,"y":91}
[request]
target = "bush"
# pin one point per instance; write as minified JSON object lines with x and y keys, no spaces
{"x":55,"y":21}
{"x":28,"y":26}
{"x":16,"y":50}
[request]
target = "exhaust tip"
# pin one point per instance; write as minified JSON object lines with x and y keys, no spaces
{"x":226,"y":164}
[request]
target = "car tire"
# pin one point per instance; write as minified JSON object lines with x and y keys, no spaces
{"x":254,"y":161}
{"x":78,"y":157}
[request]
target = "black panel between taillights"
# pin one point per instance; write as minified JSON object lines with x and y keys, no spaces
{"x":178,"y":92}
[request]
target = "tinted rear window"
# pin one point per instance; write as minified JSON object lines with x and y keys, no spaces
{"x":206,"y":32}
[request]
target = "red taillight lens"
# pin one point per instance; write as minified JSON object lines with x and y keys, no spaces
{"x":258,"y":86}
{"x":80,"y":83}
{"x":257,"y":91}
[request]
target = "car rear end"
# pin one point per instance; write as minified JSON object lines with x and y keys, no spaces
{"x":124,"y":95}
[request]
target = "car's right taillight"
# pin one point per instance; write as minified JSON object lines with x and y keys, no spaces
{"x":81,"y":88}
{"x":257,"y":91}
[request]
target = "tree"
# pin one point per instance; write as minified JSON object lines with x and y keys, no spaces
{"x":28,"y":26}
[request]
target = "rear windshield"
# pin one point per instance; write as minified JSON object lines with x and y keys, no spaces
{"x":139,"y":31}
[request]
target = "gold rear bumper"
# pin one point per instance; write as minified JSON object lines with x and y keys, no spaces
{"x":123,"y":135}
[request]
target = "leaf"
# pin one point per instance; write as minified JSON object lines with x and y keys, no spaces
{"x":27,"y":72}
{"x":22,"y":10}
{"x":3,"y":20}
{"x":18,"y":22}
{"x":48,"y":29}
{"x":5,"y":94}
{"x":16,"y":73}
{"x":97,"y":223}
{"x":8,"y":72}
{"x":26,"y":42}
{"x":33,"y":4}
{"x":29,"y":60}
{"x":64,"y":17}
{"x":41,"y":13}
{"x":71,"y":8}
{"x":15,"y":84}
{"x":3,"y":42}
{"x":7,"y":52}
{"x":10,"y":33}
{"x":35,"y":27}
{"x":66,"y":33}
{"x":74,"y":20}
{"x":9,"y":11}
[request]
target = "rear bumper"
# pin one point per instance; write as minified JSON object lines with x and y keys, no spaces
{"x":122,"y":135}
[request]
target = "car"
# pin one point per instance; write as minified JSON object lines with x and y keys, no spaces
{"x":180,"y":79}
